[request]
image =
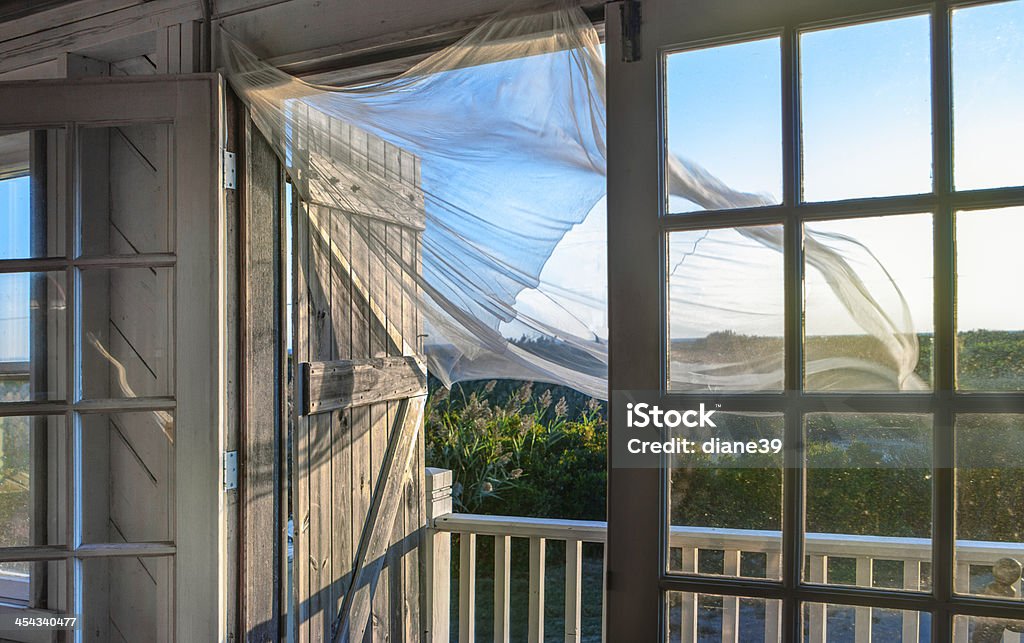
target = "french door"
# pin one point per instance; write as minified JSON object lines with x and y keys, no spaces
{"x":806,"y":201}
{"x":111,"y":427}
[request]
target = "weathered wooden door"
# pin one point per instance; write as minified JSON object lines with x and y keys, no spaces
{"x":111,"y":275}
{"x":357,"y":447}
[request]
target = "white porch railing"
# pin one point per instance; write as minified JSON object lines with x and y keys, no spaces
{"x":687,"y":543}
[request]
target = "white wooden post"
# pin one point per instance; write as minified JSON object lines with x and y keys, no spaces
{"x":535,"y":621}
{"x":467,"y":587}
{"x":573,"y":590}
{"x":688,"y":600}
{"x":772,"y":611}
{"x":911,"y":581}
{"x":502,"y":586}
{"x":437,"y":559}
{"x":818,"y":613}
{"x":731,"y":604}
{"x":862,"y":618}
{"x":962,"y":585}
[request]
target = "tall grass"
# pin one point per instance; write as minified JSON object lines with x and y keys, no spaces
{"x":519,"y":453}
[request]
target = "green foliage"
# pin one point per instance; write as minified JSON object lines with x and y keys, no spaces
{"x":15,"y":457}
{"x":516,"y":452}
{"x":521,"y":455}
{"x":990,"y":360}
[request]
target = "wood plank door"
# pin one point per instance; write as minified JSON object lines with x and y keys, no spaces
{"x":112,"y":273}
{"x":357,"y":449}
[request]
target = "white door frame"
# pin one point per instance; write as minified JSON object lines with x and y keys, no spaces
{"x":193,"y":104}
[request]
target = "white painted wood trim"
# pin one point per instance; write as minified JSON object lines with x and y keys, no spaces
{"x":573,"y":591}
{"x":467,"y":587}
{"x":862,"y":618}
{"x":817,"y":612}
{"x":502,"y":587}
{"x":201,"y":561}
{"x":911,"y":581}
{"x":731,"y":604}
{"x":535,"y":624}
{"x":688,"y":600}
{"x":773,"y":609}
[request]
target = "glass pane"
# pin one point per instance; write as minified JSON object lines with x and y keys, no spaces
{"x":988,"y":95}
{"x":125,"y":189}
{"x":847,"y":624}
{"x":128,"y":477}
{"x":37,"y":584}
{"x":989,"y":504}
{"x":976,"y":629}
{"x":127,"y":599}
{"x":32,"y":345}
{"x":126,"y":332}
{"x":869,"y":500}
{"x":709,"y":617}
{"x":725,"y":499}
{"x":866,"y":110}
{"x":32,"y":481}
{"x":31,"y":191}
{"x":868,"y":297}
{"x":990,"y":306}
{"x":726,"y":309}
{"x":724,"y":126}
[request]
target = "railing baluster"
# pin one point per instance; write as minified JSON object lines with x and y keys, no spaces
{"x":573,"y":590}
{"x":467,"y":587}
{"x":862,"y":620}
{"x":502,"y":582}
{"x":688,"y":600}
{"x":817,"y":621}
{"x":536,"y":618}
{"x":731,"y":604}
{"x":772,"y":613}
{"x":961,"y":585}
{"x":682,"y":610}
{"x":911,"y":581}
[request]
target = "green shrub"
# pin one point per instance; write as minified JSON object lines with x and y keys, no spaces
{"x":523,"y":455}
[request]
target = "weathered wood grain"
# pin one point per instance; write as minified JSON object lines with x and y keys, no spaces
{"x":387,"y":498}
{"x":356,"y":363}
{"x":57,"y":34}
{"x":260,"y":437}
{"x":300,"y":487}
{"x":329,"y":386}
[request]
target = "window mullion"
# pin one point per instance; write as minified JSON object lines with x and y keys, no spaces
{"x":944,"y":491}
{"x":72,"y":364}
{"x":793,"y":473}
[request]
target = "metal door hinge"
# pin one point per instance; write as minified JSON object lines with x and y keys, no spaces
{"x":230,"y":170}
{"x":631,"y":19}
{"x":230,"y":470}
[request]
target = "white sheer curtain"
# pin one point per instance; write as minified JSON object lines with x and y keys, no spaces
{"x":508,"y":125}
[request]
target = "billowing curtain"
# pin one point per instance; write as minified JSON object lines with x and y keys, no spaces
{"x":508,"y":129}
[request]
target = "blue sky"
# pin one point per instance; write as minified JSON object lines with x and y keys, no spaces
{"x":14,"y":293}
{"x":866,"y":115}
